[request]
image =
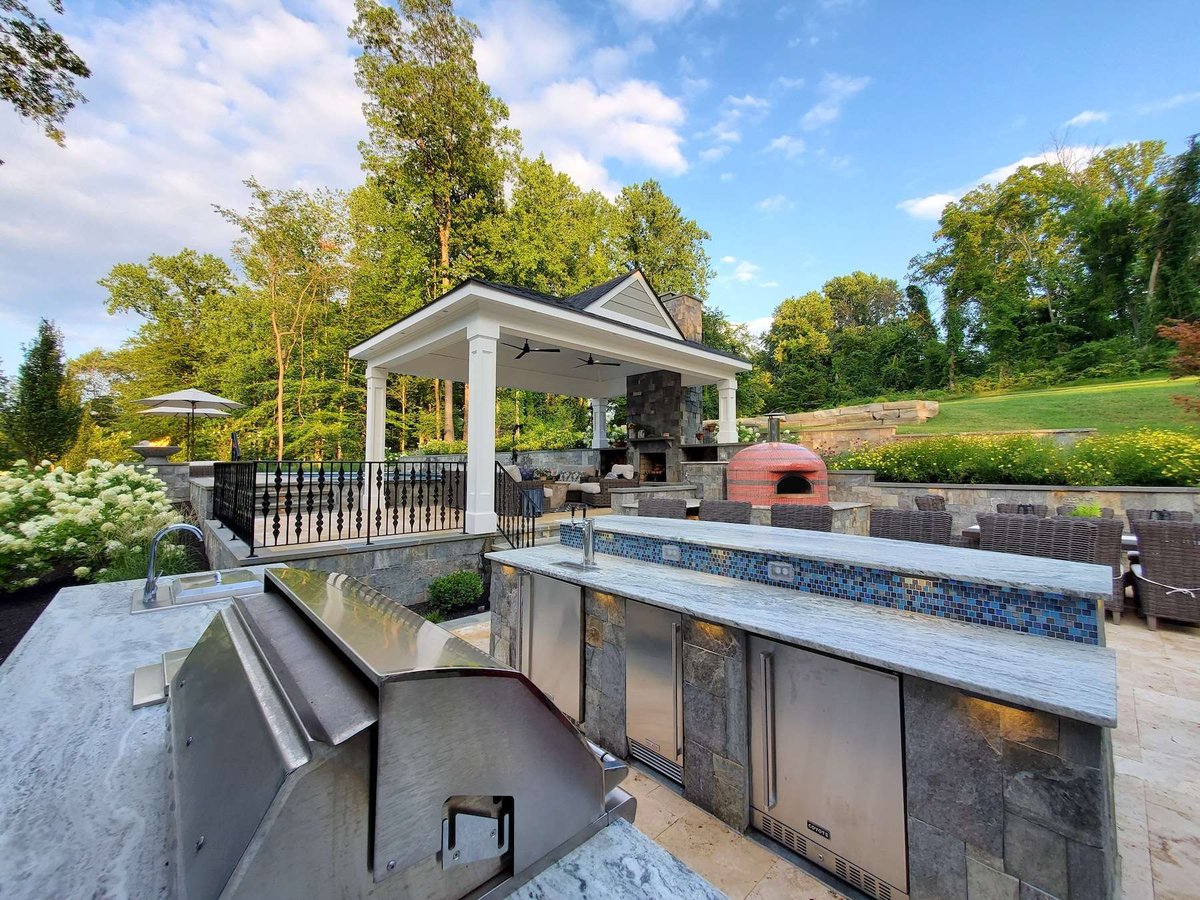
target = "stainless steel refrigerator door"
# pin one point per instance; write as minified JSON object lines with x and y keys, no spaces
{"x":654,"y":679}
{"x":827,"y":758}
{"x":552,"y":641}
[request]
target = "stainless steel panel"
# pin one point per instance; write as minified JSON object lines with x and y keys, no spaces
{"x":477,"y":733}
{"x":331,"y":700}
{"x":829,"y":732}
{"x":654,"y":679}
{"x":376,"y":633}
{"x":233,"y":741}
{"x":149,"y":689}
{"x":199,"y":587}
{"x":553,"y":641}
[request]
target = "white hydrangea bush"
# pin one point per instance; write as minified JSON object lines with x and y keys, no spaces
{"x":54,"y":521}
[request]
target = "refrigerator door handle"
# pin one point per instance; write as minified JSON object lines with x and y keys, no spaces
{"x":677,"y":686}
{"x":767,"y":662}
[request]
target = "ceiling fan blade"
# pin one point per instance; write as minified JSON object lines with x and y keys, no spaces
{"x":586,"y":362}
{"x":582,"y":366}
{"x":519,"y":355}
{"x":545,"y":350}
{"x":605,"y":364}
{"x":514,"y":346}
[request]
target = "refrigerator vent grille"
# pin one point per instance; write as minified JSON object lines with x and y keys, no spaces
{"x":656,"y":762}
{"x":862,"y":880}
{"x":785,"y":835}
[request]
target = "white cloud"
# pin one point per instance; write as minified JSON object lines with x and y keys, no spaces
{"x":502,"y":53}
{"x":1087,"y":117}
{"x":1169,"y":103}
{"x":728,"y":260}
{"x":745,"y":271}
{"x":930,"y":207}
{"x":769,"y":284}
{"x":790,"y":84}
{"x":659,"y":11}
{"x":186,"y":101}
{"x":712,"y":154}
{"x":727,"y":176}
{"x":834,"y":90}
{"x":760,"y":326}
{"x":735,"y":111}
{"x":772,"y":204}
{"x":789,"y":146}
{"x":610,"y":64}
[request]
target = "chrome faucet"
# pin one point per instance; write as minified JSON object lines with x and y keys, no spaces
{"x":150,"y":592}
{"x":589,"y":542}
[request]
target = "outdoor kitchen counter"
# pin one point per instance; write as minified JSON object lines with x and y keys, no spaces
{"x":903,"y":557}
{"x":84,"y":795}
{"x":1074,"y":680}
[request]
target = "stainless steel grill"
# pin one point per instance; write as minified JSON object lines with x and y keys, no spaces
{"x":326,"y":741}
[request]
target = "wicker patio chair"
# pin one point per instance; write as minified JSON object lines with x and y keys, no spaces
{"x":807,"y":518}
{"x":1056,"y":538}
{"x":1023,"y":509}
{"x":922,"y":526}
{"x":603,"y":498}
{"x":1167,"y":582}
{"x":735,"y":512}
{"x":663,"y":508}
{"x":1157,"y":515}
{"x":929,"y":502}
{"x":1108,"y":553}
{"x":1106,"y":512}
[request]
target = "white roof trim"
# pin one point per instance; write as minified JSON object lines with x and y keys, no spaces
{"x":596,"y":307}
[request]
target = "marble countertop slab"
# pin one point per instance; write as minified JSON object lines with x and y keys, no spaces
{"x":84,"y":797}
{"x":920,"y":560}
{"x":1069,"y":679}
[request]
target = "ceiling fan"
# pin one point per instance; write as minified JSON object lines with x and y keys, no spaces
{"x":591,"y":362}
{"x":527,"y":349}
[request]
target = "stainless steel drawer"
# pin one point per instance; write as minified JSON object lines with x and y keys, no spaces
{"x":654,"y":685}
{"x":552,"y":640}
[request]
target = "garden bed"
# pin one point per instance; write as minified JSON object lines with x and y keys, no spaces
{"x":20,"y":609}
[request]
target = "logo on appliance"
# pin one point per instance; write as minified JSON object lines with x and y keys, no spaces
{"x":817,"y":829}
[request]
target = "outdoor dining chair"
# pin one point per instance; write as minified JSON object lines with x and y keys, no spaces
{"x":1158,"y":515}
{"x":734,"y":512}
{"x":929,"y":502}
{"x":1166,"y":583}
{"x":922,"y":526}
{"x":1023,"y":509}
{"x":806,"y":518}
{"x":663,"y":508}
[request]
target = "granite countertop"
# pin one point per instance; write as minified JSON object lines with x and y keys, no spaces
{"x":921,"y":560}
{"x":84,"y":797}
{"x":1069,"y":679}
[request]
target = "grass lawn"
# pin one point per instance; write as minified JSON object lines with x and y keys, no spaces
{"x":1108,"y":407}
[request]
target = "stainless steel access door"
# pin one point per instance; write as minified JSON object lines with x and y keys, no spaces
{"x":827,"y":759}
{"x":552,"y":640}
{"x":654,"y":680}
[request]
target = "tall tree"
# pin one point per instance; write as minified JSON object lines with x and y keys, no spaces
{"x":1173,"y":289}
{"x":861,"y":298}
{"x":435,"y":127}
{"x":293,"y":251}
{"x":42,"y":415}
{"x":38,"y":68}
{"x":652,"y":233}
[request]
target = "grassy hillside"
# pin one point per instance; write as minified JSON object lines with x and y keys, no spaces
{"x":1111,"y":407}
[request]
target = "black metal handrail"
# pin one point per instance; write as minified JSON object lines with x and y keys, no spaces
{"x":294,"y":502}
{"x":516,"y":514}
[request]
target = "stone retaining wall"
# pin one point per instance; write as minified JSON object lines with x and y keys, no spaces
{"x":898,"y":412}
{"x":965,"y":501}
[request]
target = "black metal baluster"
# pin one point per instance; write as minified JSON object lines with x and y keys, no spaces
{"x":341,"y":490}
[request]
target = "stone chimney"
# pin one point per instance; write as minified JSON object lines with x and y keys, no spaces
{"x":688,"y":313}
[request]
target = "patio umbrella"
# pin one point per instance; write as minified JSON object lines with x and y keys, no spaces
{"x":190,"y":403}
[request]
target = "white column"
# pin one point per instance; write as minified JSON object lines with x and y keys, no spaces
{"x":376,"y":413}
{"x":727,"y":407}
{"x":599,"y":421}
{"x":481,"y":438}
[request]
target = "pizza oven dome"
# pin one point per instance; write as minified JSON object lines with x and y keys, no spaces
{"x":775,"y":472}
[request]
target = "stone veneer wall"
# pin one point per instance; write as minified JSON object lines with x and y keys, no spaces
{"x":716,"y":747}
{"x":965,"y":501}
{"x":625,"y":500}
{"x":905,"y":412}
{"x":174,"y":477}
{"x":1003,"y":802}
{"x":399,"y":567}
{"x":604,"y":671}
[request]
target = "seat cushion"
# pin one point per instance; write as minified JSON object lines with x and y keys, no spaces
{"x":621,"y":471}
{"x":589,"y":487}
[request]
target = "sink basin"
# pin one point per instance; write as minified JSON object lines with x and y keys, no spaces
{"x":576,"y":565}
{"x":200,"y":587}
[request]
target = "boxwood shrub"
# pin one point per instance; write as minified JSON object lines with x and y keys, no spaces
{"x":454,"y":592}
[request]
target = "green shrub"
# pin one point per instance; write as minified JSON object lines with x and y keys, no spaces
{"x":1086,"y":510}
{"x":452,"y":593}
{"x":1146,"y":457}
{"x":436,"y":448}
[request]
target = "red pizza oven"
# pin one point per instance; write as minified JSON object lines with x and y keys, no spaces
{"x":775,"y":472}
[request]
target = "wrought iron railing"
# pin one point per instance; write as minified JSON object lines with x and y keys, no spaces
{"x":516,"y":512}
{"x":279,"y":504}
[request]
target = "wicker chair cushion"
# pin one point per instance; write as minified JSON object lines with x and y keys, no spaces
{"x":663,"y":508}
{"x":733,"y":511}
{"x":808,"y":518}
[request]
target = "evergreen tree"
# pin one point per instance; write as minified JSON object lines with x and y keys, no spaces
{"x":42,"y":416}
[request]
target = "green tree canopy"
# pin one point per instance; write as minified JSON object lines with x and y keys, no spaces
{"x":653,"y":234}
{"x":42,"y":414}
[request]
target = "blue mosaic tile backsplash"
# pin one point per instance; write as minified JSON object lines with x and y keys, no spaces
{"x":1047,"y":614}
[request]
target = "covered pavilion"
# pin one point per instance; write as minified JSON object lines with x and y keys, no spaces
{"x":463,"y":336}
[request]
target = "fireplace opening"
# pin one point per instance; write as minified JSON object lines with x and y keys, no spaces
{"x":793,"y":484}
{"x":653,"y":466}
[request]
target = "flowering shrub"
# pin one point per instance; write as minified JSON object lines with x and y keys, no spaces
{"x":1144,"y":457}
{"x":56,"y":522}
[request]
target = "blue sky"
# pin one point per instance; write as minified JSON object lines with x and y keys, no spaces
{"x":811,"y":138}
